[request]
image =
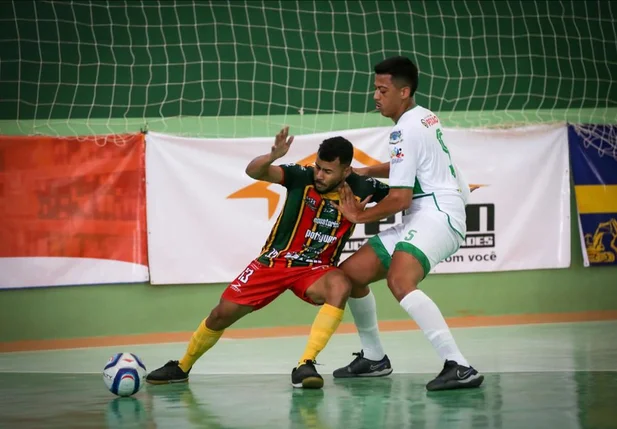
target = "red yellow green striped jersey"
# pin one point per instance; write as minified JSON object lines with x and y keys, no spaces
{"x":309,"y":230}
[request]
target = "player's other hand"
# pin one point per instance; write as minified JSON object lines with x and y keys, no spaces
{"x":281,"y":145}
{"x":348,"y":205}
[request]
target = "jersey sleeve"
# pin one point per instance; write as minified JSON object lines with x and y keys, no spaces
{"x":363,"y":186}
{"x":377,"y":188}
{"x":404,"y":147}
{"x":294,"y":175}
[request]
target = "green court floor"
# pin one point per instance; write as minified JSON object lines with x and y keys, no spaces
{"x":554,"y":376}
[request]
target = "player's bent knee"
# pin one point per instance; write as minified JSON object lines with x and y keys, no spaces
{"x":317,"y":296}
{"x":338,"y":289}
{"x":363,"y":268}
{"x":400,"y":284}
{"x":333,"y":289}
{"x":224,"y":315}
{"x":218,"y":319}
{"x":359,"y":290}
{"x":215,"y":319}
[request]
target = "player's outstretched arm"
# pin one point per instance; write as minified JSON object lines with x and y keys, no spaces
{"x":261,"y":168}
{"x":381,"y":171}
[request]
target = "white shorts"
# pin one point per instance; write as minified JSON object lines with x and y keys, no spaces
{"x":430,"y":235}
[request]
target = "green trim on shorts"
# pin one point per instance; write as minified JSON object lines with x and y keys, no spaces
{"x":432,"y":194}
{"x":383,"y":255}
{"x":416,"y":253}
{"x":407,"y":211}
{"x":448,"y":216}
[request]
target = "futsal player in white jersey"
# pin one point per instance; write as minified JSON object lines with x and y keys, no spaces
{"x":428,"y":188}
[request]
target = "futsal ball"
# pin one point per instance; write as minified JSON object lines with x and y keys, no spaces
{"x":124,"y":374}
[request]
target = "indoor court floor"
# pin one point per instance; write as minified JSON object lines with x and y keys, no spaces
{"x":554,"y":376}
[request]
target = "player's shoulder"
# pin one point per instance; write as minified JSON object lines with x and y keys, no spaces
{"x":296,"y":175}
{"x":361,"y":185}
{"x":414,"y":126}
{"x":298,"y":168}
{"x":418,"y":118}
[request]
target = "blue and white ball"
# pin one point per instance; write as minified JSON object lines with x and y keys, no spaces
{"x":124,"y":374}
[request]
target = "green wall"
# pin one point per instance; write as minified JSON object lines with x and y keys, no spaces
{"x":223,"y":58}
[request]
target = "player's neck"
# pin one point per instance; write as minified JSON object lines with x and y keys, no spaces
{"x":404,"y":108}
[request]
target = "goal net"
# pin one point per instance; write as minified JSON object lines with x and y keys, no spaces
{"x":237,"y":68}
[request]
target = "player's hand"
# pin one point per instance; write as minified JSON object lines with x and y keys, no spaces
{"x":281,"y":144}
{"x":348,"y":205}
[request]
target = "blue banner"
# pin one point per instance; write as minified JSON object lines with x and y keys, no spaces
{"x":594,"y":169}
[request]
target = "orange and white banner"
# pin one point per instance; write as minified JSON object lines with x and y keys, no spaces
{"x":207,"y":219}
{"x":72,"y":211}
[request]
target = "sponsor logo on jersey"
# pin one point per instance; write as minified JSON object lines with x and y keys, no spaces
{"x":295,"y":256}
{"x":326,"y":222}
{"x":329,"y":208}
{"x":396,"y":153}
{"x":429,"y":121}
{"x":396,"y":137}
{"x":311,"y":203}
{"x":320,"y":237}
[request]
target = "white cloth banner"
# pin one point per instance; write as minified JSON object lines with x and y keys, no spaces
{"x":520,"y":218}
{"x":207,"y":220}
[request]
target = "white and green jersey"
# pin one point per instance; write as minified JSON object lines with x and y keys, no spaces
{"x":419,"y":159}
{"x":434,"y":226}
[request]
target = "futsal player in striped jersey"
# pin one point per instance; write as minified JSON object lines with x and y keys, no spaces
{"x":301,"y":254}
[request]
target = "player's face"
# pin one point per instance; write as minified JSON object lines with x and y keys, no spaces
{"x":388,"y":98}
{"x":329,"y":175}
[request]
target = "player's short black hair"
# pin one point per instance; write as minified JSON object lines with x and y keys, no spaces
{"x":403,"y":71}
{"x":336,"y":147}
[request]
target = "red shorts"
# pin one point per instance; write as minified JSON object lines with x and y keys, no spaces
{"x":258,"y":285}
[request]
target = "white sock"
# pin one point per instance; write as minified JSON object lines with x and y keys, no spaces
{"x":425,"y":313}
{"x":364,"y":312}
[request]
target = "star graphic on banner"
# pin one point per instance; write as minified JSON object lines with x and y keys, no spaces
{"x":262,"y":189}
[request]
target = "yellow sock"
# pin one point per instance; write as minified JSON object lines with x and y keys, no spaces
{"x":324,"y":325}
{"x":202,"y":340}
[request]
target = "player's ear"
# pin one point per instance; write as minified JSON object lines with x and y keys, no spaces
{"x":348,"y":170}
{"x":405,"y":92}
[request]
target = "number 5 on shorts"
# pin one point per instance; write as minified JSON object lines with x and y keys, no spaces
{"x":410,"y":235}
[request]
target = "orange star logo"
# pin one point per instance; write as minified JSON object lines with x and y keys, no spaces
{"x":473,"y":187}
{"x":261,"y":189}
